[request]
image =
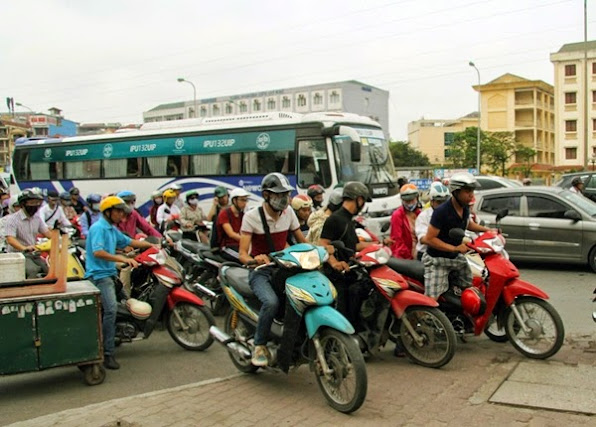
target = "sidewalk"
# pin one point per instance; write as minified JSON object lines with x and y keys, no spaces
{"x":399,"y":393}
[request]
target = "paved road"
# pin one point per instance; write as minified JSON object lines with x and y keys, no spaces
{"x":159,"y":363}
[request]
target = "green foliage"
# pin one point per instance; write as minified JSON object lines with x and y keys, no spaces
{"x":404,"y":155}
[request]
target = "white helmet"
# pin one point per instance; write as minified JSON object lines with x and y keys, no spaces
{"x":463,"y":180}
{"x":438,"y":191}
{"x":139,"y":309}
{"x":239,"y":192}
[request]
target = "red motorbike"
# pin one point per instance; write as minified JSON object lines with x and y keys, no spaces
{"x":499,"y":302}
{"x":156,"y":294}
{"x":392,"y":311}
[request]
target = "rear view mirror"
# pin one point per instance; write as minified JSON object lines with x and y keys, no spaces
{"x":457,"y":233}
{"x":355,"y":151}
{"x":573,"y":215}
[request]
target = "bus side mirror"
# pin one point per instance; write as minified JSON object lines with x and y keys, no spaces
{"x":355,"y":151}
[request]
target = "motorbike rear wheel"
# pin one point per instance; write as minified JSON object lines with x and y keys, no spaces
{"x":346,"y":386}
{"x":438,"y":337}
{"x":198,"y":319}
{"x":234,"y":328}
{"x":546,"y":332}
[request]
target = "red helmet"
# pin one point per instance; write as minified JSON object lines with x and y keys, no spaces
{"x":473,"y":302}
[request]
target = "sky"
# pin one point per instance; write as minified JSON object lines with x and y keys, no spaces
{"x":110,"y":60}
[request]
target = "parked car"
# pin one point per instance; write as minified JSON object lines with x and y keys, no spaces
{"x":589,"y":179}
{"x":543,"y":223}
{"x":489,"y":182}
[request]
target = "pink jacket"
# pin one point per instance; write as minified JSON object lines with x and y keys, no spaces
{"x":134,"y":221}
{"x":401,"y":233}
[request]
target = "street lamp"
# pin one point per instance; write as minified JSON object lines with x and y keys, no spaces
{"x":471,"y":64}
{"x":18,"y":104}
{"x":194,"y":92}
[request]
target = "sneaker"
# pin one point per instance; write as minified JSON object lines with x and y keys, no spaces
{"x":109,"y":362}
{"x":259,"y":356}
{"x":399,"y":351}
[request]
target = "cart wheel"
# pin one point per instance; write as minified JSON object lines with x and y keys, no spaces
{"x":94,"y":374}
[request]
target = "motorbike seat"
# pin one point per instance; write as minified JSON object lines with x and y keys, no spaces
{"x":408,"y":267}
{"x":214,"y":257}
{"x":193,"y":246}
{"x":237,"y":277}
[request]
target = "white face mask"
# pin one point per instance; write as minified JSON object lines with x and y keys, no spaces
{"x":95,"y":207}
{"x":193,"y":202}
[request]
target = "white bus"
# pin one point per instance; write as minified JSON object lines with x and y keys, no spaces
{"x":199,"y":154}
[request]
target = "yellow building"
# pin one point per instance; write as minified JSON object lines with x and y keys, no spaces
{"x":10,"y":130}
{"x":433,"y":137}
{"x":526,"y":108}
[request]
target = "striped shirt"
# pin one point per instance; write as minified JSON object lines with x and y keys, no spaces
{"x":25,"y":229}
{"x":279,"y":229}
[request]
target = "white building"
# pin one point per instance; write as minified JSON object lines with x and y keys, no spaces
{"x":347,"y":96}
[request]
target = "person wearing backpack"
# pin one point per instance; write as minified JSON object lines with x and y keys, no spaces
{"x":91,"y":215}
{"x":229,"y":222}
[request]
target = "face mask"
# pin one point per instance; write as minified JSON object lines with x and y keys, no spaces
{"x":158,"y":201}
{"x":31,"y":210}
{"x":279,"y":203}
{"x":5,"y":203}
{"x":410,"y":208}
{"x":193,"y":202}
{"x":95,"y":207}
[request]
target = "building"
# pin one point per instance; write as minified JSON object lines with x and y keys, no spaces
{"x":433,"y":137}
{"x":575,"y":136}
{"x":524,"y":107}
{"x":10,"y":130}
{"x":347,"y":96}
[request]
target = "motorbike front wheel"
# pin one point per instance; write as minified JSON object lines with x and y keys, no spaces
{"x":494,"y":332}
{"x":437,"y":345}
{"x":194,"y":334}
{"x":345,"y":385}
{"x":542,"y":332}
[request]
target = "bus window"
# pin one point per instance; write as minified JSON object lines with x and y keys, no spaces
{"x":156,"y":166}
{"x":40,"y":171}
{"x":174,"y":166}
{"x":208,"y":164}
{"x":235,"y":165}
{"x":115,"y":168}
{"x":81,"y":170}
{"x":56,"y":170}
{"x":264,"y":162}
{"x":313,"y":167}
{"x":21,"y":166}
{"x":134,"y":167}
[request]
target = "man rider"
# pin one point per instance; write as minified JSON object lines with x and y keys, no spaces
{"x":316,"y":193}
{"x":91,"y":215}
{"x":438,"y":194}
{"x":134,"y":220}
{"x":21,"y":229}
{"x":445,"y":253}
{"x":52,"y":212}
{"x":103,"y":240}
{"x":229,"y":222}
{"x":577,"y":185}
{"x":280,"y":219}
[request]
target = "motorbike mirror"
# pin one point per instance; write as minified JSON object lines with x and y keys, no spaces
{"x":572,"y":215}
{"x":385,"y":227}
{"x":338,"y":244}
{"x":457,"y":233}
{"x":502,"y":214}
{"x":482,"y":223}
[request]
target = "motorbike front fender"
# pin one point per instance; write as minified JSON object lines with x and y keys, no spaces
{"x":325,"y":315}
{"x":518,"y":287}
{"x":403,"y":299}
{"x":178,"y":295}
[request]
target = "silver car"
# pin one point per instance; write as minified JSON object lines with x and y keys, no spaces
{"x":543,"y":223}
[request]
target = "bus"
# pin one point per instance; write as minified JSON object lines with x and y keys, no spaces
{"x":328,"y":149}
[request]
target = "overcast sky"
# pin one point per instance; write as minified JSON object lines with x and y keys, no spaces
{"x":110,"y":60}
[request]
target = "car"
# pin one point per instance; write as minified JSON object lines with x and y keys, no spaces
{"x":589,"y":179}
{"x":488,"y":182}
{"x":549,"y":224}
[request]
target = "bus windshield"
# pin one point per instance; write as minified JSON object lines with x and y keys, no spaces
{"x":375,"y":165}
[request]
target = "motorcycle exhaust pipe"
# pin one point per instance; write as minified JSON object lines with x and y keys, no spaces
{"x":227,"y":341}
{"x":204,"y":290}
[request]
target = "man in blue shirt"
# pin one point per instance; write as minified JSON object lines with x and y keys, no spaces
{"x":103,"y":240}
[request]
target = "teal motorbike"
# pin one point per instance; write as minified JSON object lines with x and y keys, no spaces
{"x":307,"y":328}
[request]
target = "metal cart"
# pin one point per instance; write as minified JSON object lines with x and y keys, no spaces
{"x":59,"y":329}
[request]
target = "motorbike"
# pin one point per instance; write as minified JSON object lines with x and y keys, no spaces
{"x":156,"y":294}
{"x":307,"y":329}
{"x":499,"y":303}
{"x":391,"y":311}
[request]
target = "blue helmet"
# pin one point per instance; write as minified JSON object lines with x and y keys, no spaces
{"x":127,"y":196}
{"x":93,"y":198}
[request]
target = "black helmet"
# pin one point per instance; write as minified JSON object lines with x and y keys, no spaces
{"x":28,"y":194}
{"x":315,"y":190}
{"x":577,"y":180}
{"x":355,"y":189}
{"x":276,"y":183}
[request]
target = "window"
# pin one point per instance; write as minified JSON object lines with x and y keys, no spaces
{"x":243,"y":107}
{"x":264,"y":162}
{"x":82,"y":170}
{"x":570,"y":125}
{"x":594,"y":124}
{"x":594,"y":96}
{"x":271,"y":104}
{"x":593,"y":67}
{"x":570,"y":70}
{"x":229,"y":109}
{"x":570,"y":98}
{"x":203,"y":112}
{"x":317,"y":99}
{"x":256,"y":105}
{"x":301,"y":102}
{"x":215,"y":110}
{"x":570,"y":153}
{"x":493,"y":205}
{"x":313,"y":164}
{"x":334,"y":97}
{"x":541,"y":207}
{"x":448,"y":138}
{"x":285,"y":102}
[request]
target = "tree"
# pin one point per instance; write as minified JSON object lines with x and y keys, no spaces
{"x":496,"y":150}
{"x":404,"y":155}
{"x":525,"y":156}
{"x":462,"y":151}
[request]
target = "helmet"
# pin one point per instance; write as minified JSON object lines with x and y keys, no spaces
{"x":472,"y":301}
{"x":74,"y":191}
{"x":53,"y":194}
{"x":315,"y":190}
{"x":276,"y":183}
{"x":169,"y":193}
{"x":301,"y":201}
{"x":355,"y":189}
{"x":192,"y":193}
{"x":113,"y":202}
{"x":175,"y":187}
{"x":29,"y":194}
{"x":156,"y":193}
{"x":438,"y":191}
{"x":220,"y":191}
{"x":335,"y":199}
{"x":65,"y":195}
{"x":14,"y":200}
{"x":408,"y":192}
{"x":238,"y":192}
{"x":139,"y":309}
{"x":463,"y":180}
{"x":93,"y":198}
{"x":576,"y":181}
{"x":127,"y":196}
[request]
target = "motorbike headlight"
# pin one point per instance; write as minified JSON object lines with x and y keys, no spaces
{"x":308,"y":260}
{"x":159,"y":257}
{"x":497,"y":244}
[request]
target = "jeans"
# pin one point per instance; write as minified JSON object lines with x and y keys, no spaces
{"x":260,"y":283}
{"x":110,"y":307}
